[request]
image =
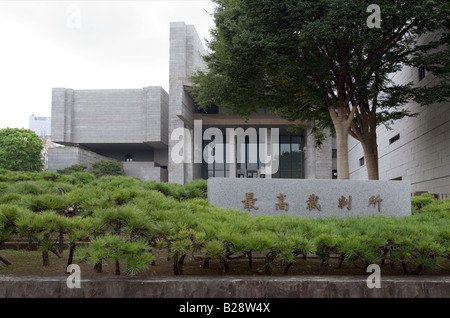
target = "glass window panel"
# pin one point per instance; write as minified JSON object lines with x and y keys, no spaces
{"x":241,"y":157}
{"x":296,"y":160}
{"x":219,"y":174}
{"x":285,"y":139}
{"x":296,"y":174}
{"x":285,"y":159}
{"x":297,"y":140}
{"x":285,"y":174}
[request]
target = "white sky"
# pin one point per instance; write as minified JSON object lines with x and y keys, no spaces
{"x":113,"y":44}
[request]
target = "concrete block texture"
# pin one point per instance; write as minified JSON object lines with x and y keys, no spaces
{"x":186,"y":51}
{"x":110,"y":115}
{"x":15,"y":286}
{"x":63,"y":157}
{"x":145,"y":171}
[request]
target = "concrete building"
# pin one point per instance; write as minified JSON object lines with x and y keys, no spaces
{"x":415,"y":149}
{"x":146,"y":129}
{"x":127,"y":125}
{"x":136,"y":127}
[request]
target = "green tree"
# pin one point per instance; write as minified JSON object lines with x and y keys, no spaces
{"x":106,"y":168}
{"x":319,"y":61}
{"x":20,"y":150}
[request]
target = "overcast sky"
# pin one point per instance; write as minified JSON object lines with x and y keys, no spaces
{"x":85,"y":45}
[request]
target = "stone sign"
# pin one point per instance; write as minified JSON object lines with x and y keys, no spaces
{"x":311,"y":198}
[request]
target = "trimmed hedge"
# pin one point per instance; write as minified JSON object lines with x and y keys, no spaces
{"x":125,"y":219}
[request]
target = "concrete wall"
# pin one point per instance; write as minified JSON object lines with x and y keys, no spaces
{"x":186,"y":51}
{"x":422,"y":154}
{"x":110,"y":116}
{"x":14,"y":286}
{"x":145,"y":171}
{"x":318,"y":161}
{"x":63,"y":157}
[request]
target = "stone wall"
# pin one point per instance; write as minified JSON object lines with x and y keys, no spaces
{"x":224,"y":287}
{"x":63,"y":157}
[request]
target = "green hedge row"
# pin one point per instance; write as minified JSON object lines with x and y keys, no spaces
{"x":124,"y":219}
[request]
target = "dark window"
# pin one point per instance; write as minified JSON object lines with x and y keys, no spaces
{"x":422,"y":73}
{"x":334,"y":174}
{"x":291,"y":157}
{"x":334,"y":153}
{"x":361,"y":161}
{"x":394,"y":139}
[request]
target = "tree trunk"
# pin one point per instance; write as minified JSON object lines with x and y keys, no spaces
{"x":341,"y":260}
{"x":250,"y":260}
{"x":72,"y":247}
{"x":324,"y":265}
{"x":342,"y":151}
{"x":118,"y":268}
{"x":226,"y":266}
{"x":286,"y":269}
{"x":45,"y":259}
{"x":56,"y":253}
{"x":178,"y":264}
{"x":370,"y":149}
{"x":61,"y":243}
{"x":98,"y":267}
{"x":4,"y":261}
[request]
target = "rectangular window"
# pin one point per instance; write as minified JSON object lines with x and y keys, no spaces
{"x":394,"y":139}
{"x":334,"y":153}
{"x":422,"y":73}
{"x":334,"y":174}
{"x":361,"y":161}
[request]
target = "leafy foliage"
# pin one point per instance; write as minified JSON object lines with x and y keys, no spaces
{"x":106,"y":168}
{"x":317,"y":61}
{"x":20,"y":150}
{"x":125,"y":219}
{"x":72,"y":169}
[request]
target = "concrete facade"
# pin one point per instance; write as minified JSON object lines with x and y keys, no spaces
{"x":415,"y":149}
{"x":63,"y":157}
{"x":126,"y":125}
{"x":186,"y":51}
{"x":146,"y":171}
{"x":140,"y":122}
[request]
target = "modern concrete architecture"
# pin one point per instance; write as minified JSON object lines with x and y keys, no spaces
{"x":415,"y":149}
{"x":135,"y":127}
{"x":141,"y":129}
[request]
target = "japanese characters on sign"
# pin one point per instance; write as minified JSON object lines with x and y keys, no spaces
{"x":311,"y":204}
